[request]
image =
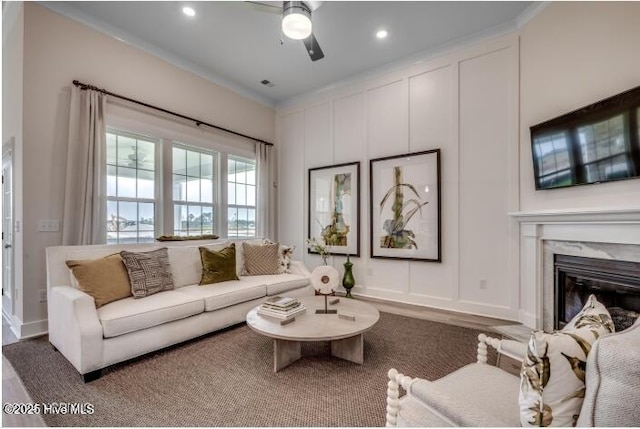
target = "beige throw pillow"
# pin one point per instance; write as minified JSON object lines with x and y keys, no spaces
{"x":105,"y":279}
{"x":149,"y":272}
{"x":552,"y":378}
{"x":261,"y":259}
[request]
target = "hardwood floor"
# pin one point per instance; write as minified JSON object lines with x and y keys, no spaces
{"x":13,"y":390}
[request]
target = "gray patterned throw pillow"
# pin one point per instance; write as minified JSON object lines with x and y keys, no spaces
{"x":149,"y":272}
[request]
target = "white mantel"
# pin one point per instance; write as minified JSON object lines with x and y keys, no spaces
{"x":621,"y":214}
{"x":611,"y":233}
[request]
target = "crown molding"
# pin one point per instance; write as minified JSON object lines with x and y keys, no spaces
{"x":530,"y":12}
{"x":10,"y":13}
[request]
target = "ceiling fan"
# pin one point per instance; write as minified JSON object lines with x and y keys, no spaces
{"x":296,"y":22}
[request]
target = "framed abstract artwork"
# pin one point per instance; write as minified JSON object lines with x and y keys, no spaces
{"x":404,"y":197}
{"x":334,"y":208}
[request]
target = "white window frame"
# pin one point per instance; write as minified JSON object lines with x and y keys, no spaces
{"x":168,"y":132}
{"x":157,"y":208}
{"x":216,"y":203}
{"x":245,"y":206}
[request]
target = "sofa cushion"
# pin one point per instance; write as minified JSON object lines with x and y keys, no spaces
{"x":280,"y":283}
{"x":105,"y":279}
{"x":149,"y":272}
{"x":186,"y":263}
{"x":218,"y":266}
{"x":226,"y":294}
{"x":469,"y":399}
{"x":130,"y":315}
{"x":553,"y":371}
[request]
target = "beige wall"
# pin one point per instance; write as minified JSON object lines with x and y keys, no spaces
{"x":573,"y":54}
{"x":57,"y":51}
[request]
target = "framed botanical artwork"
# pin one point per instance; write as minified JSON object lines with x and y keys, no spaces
{"x":334,"y":208}
{"x":404,"y":197}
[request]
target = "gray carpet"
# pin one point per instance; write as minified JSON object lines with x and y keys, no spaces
{"x":226,"y":379}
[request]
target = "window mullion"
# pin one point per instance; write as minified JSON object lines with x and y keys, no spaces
{"x":221,"y":198}
{"x":165,"y":200}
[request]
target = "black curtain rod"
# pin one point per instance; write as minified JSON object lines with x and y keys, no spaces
{"x":198,"y":122}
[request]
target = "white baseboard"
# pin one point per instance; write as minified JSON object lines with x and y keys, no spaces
{"x":27,"y":330}
{"x":527,"y":319}
{"x":477,"y":309}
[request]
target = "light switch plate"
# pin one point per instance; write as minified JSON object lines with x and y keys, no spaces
{"x":48,"y":225}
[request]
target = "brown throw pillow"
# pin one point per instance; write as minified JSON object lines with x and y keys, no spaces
{"x":149,"y":272}
{"x":105,"y":279}
{"x":218,"y":266}
{"x":261,"y":259}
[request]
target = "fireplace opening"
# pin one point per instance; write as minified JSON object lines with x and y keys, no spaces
{"x":616,"y":284}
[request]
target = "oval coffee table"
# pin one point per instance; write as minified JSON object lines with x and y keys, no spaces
{"x":345,"y":335}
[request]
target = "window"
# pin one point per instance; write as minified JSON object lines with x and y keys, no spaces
{"x":241,"y":196}
{"x":193,"y":191}
{"x":161,"y":186}
{"x":131,"y":184}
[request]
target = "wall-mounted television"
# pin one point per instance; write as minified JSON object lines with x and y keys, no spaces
{"x":597,"y":143}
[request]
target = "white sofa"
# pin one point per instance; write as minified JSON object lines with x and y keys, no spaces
{"x":92,"y":339}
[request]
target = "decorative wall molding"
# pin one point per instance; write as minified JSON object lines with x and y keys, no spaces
{"x":443,"y":103}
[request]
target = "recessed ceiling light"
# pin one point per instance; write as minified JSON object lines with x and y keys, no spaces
{"x":188,"y":11}
{"x":382,"y":34}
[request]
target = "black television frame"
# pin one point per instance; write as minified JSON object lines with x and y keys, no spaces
{"x":618,"y":103}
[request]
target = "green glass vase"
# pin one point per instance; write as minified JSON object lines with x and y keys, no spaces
{"x":348,"y":281}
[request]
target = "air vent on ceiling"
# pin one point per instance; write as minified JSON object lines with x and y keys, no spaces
{"x":268,"y":83}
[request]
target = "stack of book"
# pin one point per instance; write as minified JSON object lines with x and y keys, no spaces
{"x":282,"y":308}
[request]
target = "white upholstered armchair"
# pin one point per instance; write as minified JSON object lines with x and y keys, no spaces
{"x":480,"y":394}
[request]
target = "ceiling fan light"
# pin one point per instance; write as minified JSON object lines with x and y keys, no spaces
{"x":296,"y":20}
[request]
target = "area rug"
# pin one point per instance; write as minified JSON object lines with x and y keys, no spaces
{"x":227,"y":379}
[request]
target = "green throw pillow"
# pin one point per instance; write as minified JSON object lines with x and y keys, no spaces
{"x":218,"y":266}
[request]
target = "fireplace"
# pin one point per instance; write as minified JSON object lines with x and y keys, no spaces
{"x":614,"y":283}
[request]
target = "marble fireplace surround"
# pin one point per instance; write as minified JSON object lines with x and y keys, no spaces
{"x":597,"y":233}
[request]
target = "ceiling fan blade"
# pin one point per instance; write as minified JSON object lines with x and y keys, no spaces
{"x":313,"y":48}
